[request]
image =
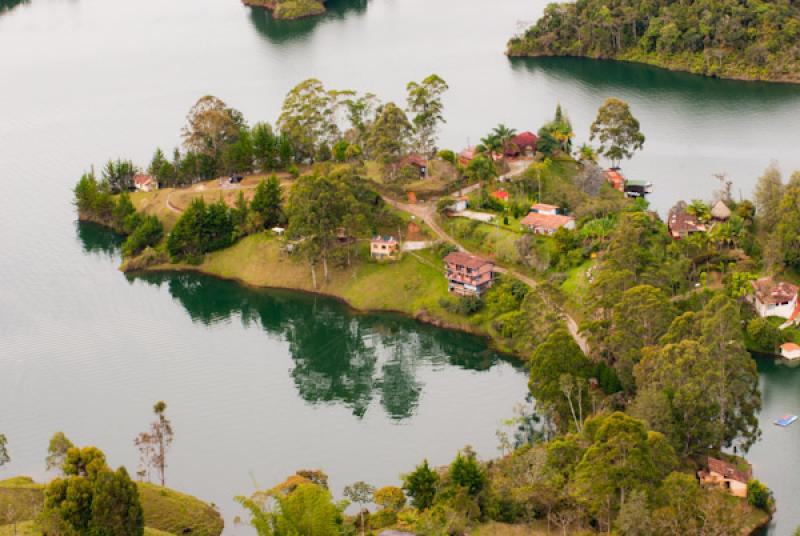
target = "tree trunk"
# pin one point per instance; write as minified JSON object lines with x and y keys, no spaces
{"x":313,"y":275}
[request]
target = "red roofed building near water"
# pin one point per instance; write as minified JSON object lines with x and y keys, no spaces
{"x":468,"y":275}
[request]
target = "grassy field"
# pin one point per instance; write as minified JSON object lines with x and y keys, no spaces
{"x":165,"y":511}
{"x":413,"y":285}
{"x":174,"y":512}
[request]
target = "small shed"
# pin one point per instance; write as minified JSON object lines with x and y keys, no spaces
{"x":727,"y":476}
{"x":501,"y":195}
{"x":790,"y":350}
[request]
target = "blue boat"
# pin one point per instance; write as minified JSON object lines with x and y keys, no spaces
{"x":786,"y":420}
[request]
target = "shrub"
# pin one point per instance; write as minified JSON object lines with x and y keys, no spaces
{"x":148,"y":233}
{"x":759,"y":496}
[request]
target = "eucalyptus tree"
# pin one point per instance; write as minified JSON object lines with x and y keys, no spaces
{"x":425,"y":102}
{"x":617,"y":130}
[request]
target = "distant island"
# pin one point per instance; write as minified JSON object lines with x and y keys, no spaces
{"x":289,"y":9}
{"x":736,"y":40}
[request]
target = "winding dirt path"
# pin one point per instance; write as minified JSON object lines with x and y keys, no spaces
{"x":427,"y":212}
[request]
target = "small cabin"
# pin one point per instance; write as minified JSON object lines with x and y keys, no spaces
{"x":384,"y":248}
{"x":417,"y":161}
{"x":726,"y":476}
{"x":500,"y":195}
{"x":544,"y":208}
{"x":145,"y":183}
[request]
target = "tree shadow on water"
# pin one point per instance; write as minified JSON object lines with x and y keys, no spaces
{"x":286,"y":31}
{"x":340,"y":357}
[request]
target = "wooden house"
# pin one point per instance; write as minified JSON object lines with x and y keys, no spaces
{"x":468,"y":275}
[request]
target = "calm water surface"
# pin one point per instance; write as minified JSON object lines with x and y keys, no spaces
{"x":262,"y":383}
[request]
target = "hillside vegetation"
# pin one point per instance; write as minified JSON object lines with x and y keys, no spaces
{"x":749,"y":40}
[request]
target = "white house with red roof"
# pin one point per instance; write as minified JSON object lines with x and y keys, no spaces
{"x":790,"y":350}
{"x":774,"y":299}
{"x":145,"y":183}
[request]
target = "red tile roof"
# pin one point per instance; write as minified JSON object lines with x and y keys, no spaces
{"x":414,"y":160}
{"x":525,"y":139}
{"x":539,"y":207}
{"x":465,"y":259}
{"x":767,"y":291}
{"x":728,"y":470}
{"x":681,"y":222}
{"x":500,"y":194}
{"x":550,"y":222}
{"x":790,"y":347}
{"x":143,"y":179}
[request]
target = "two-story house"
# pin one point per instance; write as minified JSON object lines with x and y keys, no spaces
{"x":468,"y":275}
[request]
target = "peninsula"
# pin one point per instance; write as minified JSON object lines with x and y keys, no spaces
{"x":636,"y":331}
{"x":736,"y":40}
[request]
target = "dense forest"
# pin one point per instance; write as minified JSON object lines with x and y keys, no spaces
{"x":751,"y":40}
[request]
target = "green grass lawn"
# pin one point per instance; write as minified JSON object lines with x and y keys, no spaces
{"x":174,"y":512}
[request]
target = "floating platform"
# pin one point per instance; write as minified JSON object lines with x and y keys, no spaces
{"x":786,"y":420}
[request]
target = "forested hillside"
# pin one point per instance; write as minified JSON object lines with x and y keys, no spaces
{"x":751,"y":40}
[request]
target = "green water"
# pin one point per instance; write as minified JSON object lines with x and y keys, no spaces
{"x":262,"y":383}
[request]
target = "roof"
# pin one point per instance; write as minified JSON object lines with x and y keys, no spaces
{"x":615,"y":177}
{"x":468,"y":153}
{"x":525,"y":139}
{"x":767,"y":291}
{"x":790,"y":347}
{"x":414,"y":160}
{"x":720,"y":211}
{"x":545,"y":221}
{"x":681,"y":222}
{"x":728,"y":470}
{"x":465,"y":259}
{"x":543,"y":207}
{"x":500,"y":194}
{"x":385,"y":239}
{"x":143,"y":179}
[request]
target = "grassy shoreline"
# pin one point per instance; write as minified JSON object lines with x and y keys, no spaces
{"x":411,"y":286}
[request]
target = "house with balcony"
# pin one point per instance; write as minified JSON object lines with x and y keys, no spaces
{"x":468,"y":275}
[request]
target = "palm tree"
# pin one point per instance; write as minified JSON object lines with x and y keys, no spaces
{"x":505,"y":135}
{"x":490,"y":146}
{"x":699,"y":210}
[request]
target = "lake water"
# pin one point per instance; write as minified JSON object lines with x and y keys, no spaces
{"x":261,"y":383}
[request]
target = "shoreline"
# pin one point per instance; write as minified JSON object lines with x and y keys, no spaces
{"x":658,"y":65}
{"x":422,"y":316}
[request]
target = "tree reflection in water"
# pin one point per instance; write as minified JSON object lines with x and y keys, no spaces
{"x":340,"y":357}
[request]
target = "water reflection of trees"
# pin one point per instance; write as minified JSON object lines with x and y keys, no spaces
{"x":604,"y":76}
{"x":8,"y":5}
{"x":339,"y":357}
{"x":285,"y":31}
{"x":98,"y":239}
